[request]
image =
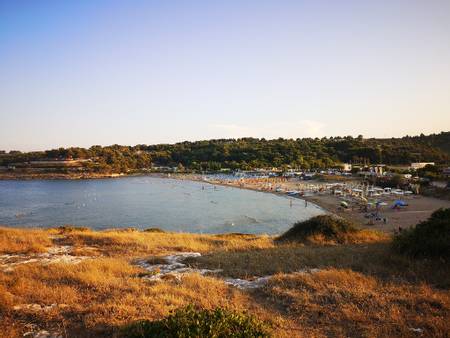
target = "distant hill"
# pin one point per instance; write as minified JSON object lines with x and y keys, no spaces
{"x":440,"y":141}
{"x":247,"y":153}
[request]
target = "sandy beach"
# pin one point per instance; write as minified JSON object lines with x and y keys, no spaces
{"x":419,"y":207}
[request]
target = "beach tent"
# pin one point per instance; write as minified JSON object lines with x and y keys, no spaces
{"x":399,"y":203}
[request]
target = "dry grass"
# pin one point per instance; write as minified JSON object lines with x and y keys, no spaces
{"x":374,"y":259}
{"x":14,"y":241}
{"x":97,"y":297}
{"x":135,"y":243}
{"x":357,"y":237}
{"x":343,"y":303}
{"x":364,"y":289}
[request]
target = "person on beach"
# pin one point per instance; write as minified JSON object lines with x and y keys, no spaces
{"x":306,"y":203}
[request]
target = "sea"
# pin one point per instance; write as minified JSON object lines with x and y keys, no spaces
{"x":149,"y":202}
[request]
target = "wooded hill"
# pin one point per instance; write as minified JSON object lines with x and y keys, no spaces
{"x":248,"y":153}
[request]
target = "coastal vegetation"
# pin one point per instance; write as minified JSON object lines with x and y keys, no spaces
{"x":130,"y":242}
{"x":315,"y":289}
{"x":14,"y":241}
{"x":248,"y":153}
{"x":329,"y":229}
{"x":430,"y":238}
{"x":192,"y":322}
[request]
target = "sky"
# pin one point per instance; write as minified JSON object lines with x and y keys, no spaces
{"x":85,"y":72}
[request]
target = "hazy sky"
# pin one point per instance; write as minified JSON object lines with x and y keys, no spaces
{"x":78,"y":73}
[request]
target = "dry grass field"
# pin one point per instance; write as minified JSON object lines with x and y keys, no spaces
{"x":19,"y":241}
{"x":361,"y":288}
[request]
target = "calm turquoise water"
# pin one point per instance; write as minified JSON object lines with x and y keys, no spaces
{"x":145,"y":202}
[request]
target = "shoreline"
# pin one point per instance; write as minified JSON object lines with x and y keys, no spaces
{"x":420,"y":207}
{"x":272,"y":226}
{"x":57,"y":176}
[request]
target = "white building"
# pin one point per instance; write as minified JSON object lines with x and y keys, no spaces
{"x":346,"y":167}
{"x":420,"y":165}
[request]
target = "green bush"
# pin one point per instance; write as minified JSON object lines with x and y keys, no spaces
{"x":157,"y":230}
{"x":332,"y":228}
{"x":71,"y":228}
{"x":192,"y":322}
{"x":430,"y":238}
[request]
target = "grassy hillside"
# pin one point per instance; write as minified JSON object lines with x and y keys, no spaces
{"x":362,"y":289}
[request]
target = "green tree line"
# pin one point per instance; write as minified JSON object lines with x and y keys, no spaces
{"x":248,"y":153}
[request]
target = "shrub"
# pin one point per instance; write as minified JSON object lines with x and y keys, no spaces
{"x":71,"y":228}
{"x":192,"y":322}
{"x":157,"y":230}
{"x":326,"y":227}
{"x":430,"y":238}
{"x":129,"y":229}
